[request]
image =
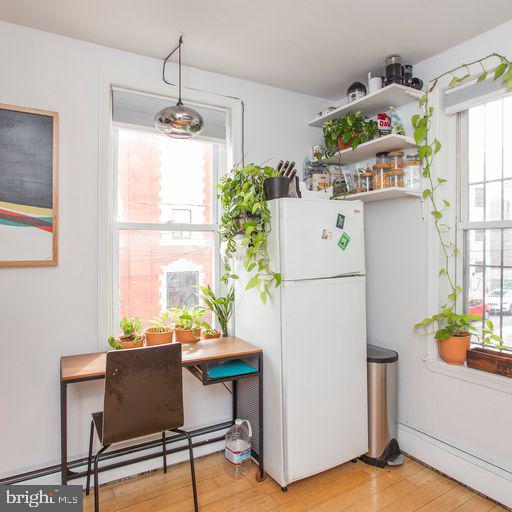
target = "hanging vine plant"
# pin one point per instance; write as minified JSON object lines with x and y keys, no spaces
{"x":447,"y":323}
{"x":245,"y":222}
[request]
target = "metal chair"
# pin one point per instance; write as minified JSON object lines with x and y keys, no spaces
{"x":143,"y":396}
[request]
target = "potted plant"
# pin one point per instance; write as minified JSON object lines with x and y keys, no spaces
{"x":187,"y":324}
{"x":452,"y":326}
{"x":453,"y":333}
{"x":161,"y":332}
{"x":131,"y":337}
{"x":221,"y":307}
{"x":209,"y":332}
{"x":242,"y":197}
{"x":349,"y":131}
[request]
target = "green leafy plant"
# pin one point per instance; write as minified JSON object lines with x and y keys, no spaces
{"x":131,"y":328}
{"x":447,"y":323}
{"x":188,"y":319}
{"x":354,"y":129}
{"x":208,"y":329}
{"x":163,"y":322}
{"x":221,"y":307}
{"x":246,"y":215}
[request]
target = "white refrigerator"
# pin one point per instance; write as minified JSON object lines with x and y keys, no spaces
{"x":313,"y":335}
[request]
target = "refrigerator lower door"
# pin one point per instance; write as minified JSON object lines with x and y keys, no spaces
{"x":324,"y":374}
{"x":313,"y":239}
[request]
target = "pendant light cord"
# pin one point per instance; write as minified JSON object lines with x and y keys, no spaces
{"x":178,"y":47}
{"x":179,"y":71}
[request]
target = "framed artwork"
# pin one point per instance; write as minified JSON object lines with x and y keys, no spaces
{"x":28,"y":186}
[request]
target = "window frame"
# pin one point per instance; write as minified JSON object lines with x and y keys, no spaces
{"x":219,"y":157}
{"x":463,"y":224}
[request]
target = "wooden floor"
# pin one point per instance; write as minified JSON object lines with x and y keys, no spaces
{"x":350,"y":487}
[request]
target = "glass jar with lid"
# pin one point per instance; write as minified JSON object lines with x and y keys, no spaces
{"x":365,"y":180}
{"x":382,"y":158}
{"x":379,"y":172}
{"x":412,"y":172}
{"x":394,"y":178}
{"x":396,"y":159}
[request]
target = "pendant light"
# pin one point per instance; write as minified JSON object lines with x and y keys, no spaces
{"x":178,"y":122}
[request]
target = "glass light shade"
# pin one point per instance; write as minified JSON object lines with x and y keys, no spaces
{"x":179,"y":122}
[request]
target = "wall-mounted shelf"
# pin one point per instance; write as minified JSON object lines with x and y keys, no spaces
{"x":393,"y":95}
{"x":370,"y":149}
{"x":384,"y":194}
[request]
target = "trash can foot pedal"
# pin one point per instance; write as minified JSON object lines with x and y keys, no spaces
{"x":396,"y":460}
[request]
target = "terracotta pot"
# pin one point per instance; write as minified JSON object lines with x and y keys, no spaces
{"x":126,"y":342}
{"x":187,"y":336}
{"x":453,"y":350}
{"x":153,"y":337}
{"x":342,"y":145}
{"x":208,"y":336}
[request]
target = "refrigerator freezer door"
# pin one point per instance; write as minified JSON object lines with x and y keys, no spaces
{"x":317,"y":238}
{"x":324,"y":374}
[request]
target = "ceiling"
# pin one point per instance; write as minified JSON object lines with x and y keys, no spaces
{"x":315,"y":47}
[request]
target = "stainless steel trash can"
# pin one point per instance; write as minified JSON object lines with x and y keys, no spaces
{"x":382,"y":408}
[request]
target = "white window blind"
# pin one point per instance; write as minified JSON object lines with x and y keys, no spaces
{"x":136,"y":108}
{"x":472,"y":94}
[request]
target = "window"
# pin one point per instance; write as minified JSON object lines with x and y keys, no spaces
{"x":486,"y":212}
{"x":180,"y":289}
{"x":162,"y":184}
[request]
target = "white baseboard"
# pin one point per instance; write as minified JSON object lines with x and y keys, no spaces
{"x":133,"y":469}
{"x":477,"y":474}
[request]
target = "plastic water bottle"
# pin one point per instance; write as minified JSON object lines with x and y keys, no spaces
{"x":238,"y":449}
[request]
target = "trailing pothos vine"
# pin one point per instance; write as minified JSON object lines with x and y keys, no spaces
{"x":246,"y":219}
{"x":447,"y":323}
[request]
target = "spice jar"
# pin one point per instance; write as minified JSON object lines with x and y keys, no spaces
{"x":365,"y":180}
{"x":412,"y":172}
{"x":394,"y":178}
{"x":396,"y":159}
{"x":379,"y":171}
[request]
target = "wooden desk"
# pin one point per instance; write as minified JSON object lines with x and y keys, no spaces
{"x":83,"y":367}
{"x":196,"y":357}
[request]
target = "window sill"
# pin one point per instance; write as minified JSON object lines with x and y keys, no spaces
{"x":471,"y":375}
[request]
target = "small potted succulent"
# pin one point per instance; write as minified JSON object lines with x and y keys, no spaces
{"x":349,"y":131}
{"x":221,"y":307}
{"x":209,"y":332}
{"x":161,"y":332}
{"x":131,"y":337}
{"x":187,"y":324}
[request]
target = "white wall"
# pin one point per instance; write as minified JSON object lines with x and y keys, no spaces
{"x":49,"y":312}
{"x":457,"y":420}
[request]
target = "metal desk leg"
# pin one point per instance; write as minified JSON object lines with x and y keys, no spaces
{"x":261,"y":473}
{"x":63,"y":433}
{"x":235,"y":400}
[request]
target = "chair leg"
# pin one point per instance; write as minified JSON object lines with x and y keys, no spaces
{"x":96,"y":483}
{"x":192,"y":469}
{"x":164,"y":452}
{"x":89,"y":460}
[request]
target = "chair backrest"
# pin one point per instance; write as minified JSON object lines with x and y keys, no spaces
{"x":143,"y":392}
